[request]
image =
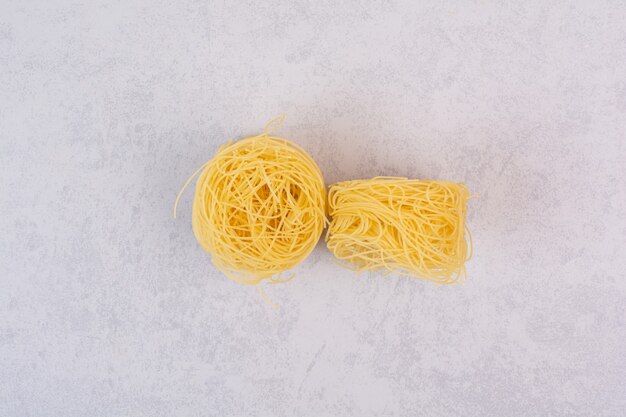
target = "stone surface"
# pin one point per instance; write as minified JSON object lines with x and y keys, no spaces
{"x":108,"y":307}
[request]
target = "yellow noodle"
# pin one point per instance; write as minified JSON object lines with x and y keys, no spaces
{"x":409,"y":227}
{"x":259,"y":207}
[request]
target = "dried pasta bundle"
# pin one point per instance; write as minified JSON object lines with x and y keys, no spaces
{"x":409,"y":227}
{"x":259,"y":207}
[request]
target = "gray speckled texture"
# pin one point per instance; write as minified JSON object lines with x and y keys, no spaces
{"x":108,"y":307}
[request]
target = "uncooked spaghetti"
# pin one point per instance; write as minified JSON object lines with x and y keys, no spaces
{"x":409,"y":227}
{"x":259,"y":207}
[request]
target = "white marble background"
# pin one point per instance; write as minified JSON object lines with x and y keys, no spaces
{"x":108,"y":307}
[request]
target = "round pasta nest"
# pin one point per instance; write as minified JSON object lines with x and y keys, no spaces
{"x":259,"y":207}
